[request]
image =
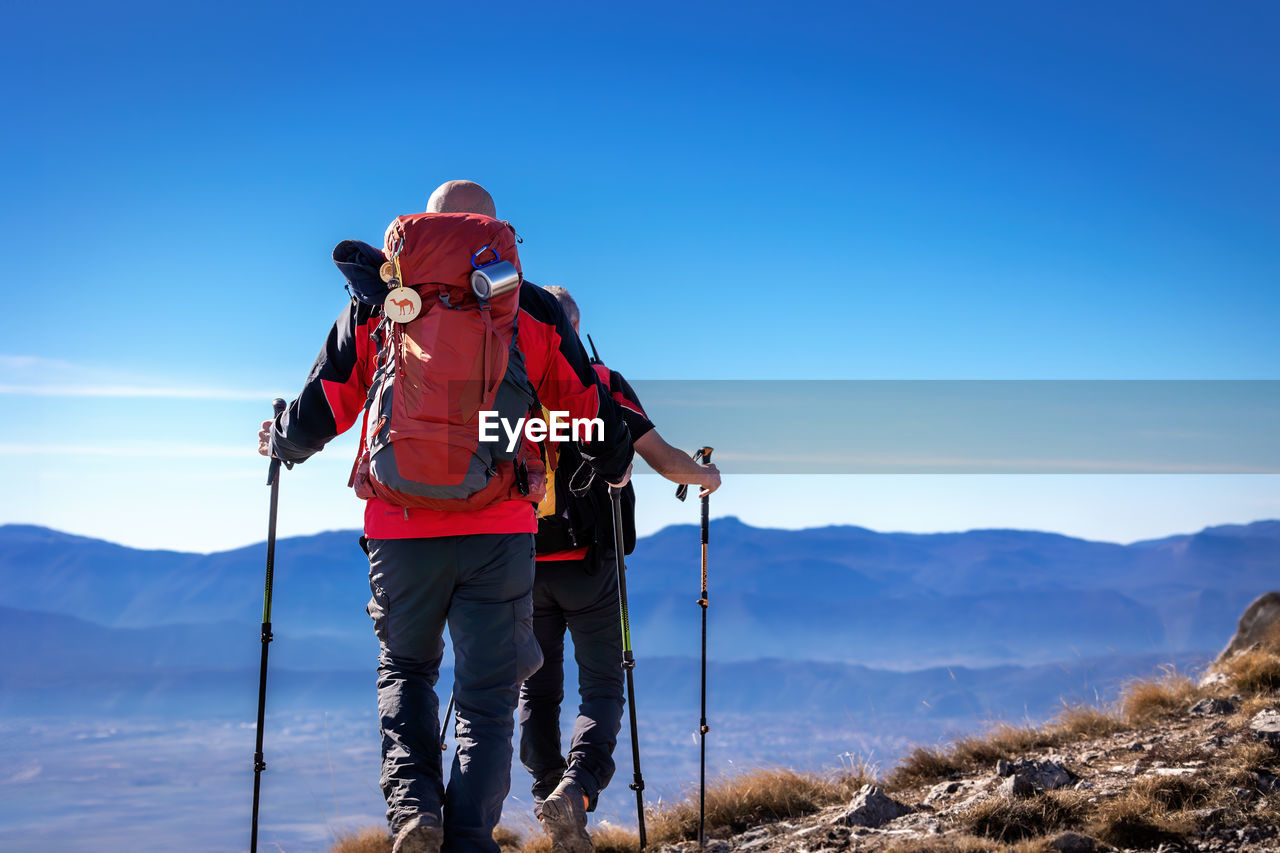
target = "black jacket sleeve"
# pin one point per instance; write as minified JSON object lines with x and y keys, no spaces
{"x":335,"y":391}
{"x":629,"y":404}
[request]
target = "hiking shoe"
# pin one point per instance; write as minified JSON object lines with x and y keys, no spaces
{"x":564,"y":815}
{"x":418,"y":836}
{"x":542,"y":790}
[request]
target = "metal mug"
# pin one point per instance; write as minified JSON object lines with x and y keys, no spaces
{"x":493,"y":280}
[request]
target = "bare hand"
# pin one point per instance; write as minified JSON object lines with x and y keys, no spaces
{"x":626,"y":478}
{"x":710,"y":479}
{"x":264,"y":438}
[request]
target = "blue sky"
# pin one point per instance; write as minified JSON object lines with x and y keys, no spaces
{"x":847,"y":191}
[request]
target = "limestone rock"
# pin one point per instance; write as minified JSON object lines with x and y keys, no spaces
{"x":1017,"y":785}
{"x":1213,"y":678}
{"x":1265,"y":726}
{"x":1211,"y":707}
{"x":1074,"y":842}
{"x":1044,"y":775}
{"x":1254,"y":624}
{"x":942,"y":790}
{"x":871,"y":807}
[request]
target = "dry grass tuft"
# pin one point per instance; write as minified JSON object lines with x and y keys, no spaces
{"x":924,"y":764}
{"x":607,"y":839}
{"x":1001,"y":741}
{"x":1132,"y":821}
{"x":1254,"y":672}
{"x":537,"y":843}
{"x":751,"y":799}
{"x":371,"y":839}
{"x":1039,"y":845}
{"x":1173,"y":793}
{"x":1146,"y":702}
{"x":1084,"y":722}
{"x":1155,"y":810}
{"x":508,"y":839}
{"x":1252,"y":756}
{"x":375,"y":839}
{"x":1008,"y":819}
{"x":1254,"y":704}
{"x":612,"y":839}
{"x":946,"y":844}
{"x":1239,"y":766}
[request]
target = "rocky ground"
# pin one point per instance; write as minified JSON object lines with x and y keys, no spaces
{"x":1175,"y":765}
{"x":1192,"y":783}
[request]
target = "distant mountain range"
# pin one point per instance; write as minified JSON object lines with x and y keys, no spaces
{"x":822,"y":641}
{"x":76,"y":667}
{"x":833,"y":594}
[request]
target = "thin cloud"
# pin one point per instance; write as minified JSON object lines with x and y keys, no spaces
{"x":33,"y":362}
{"x":163,"y":449}
{"x":135,"y":391}
{"x":58,"y":378}
{"x":837,"y":463}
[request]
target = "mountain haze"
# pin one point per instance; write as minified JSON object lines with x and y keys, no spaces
{"x":848,"y":594}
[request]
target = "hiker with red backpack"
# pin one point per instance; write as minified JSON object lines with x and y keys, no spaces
{"x":576,"y":588}
{"x":449,"y":519}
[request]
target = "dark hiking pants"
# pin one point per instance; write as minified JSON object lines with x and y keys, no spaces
{"x":479,"y":585}
{"x":564,"y":595}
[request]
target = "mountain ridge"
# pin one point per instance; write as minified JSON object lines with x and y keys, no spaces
{"x":839,"y":592}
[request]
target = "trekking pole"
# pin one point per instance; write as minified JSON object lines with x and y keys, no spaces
{"x":273,"y":480}
{"x":444,"y":727}
{"x":628,"y":659}
{"x":704,"y":456}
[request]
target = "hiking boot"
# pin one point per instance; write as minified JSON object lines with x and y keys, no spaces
{"x":564,"y":815}
{"x":418,"y":836}
{"x":542,"y":790}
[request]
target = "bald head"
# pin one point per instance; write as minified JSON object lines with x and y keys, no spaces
{"x":462,"y":197}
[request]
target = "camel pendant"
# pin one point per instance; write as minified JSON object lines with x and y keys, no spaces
{"x":402,"y":305}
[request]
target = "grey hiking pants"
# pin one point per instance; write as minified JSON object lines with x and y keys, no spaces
{"x":564,"y":595}
{"x":480,"y":586}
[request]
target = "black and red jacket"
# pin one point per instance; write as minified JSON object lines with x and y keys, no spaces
{"x":579,"y":526}
{"x":334,"y":395}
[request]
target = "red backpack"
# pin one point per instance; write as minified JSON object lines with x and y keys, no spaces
{"x":442,"y":364}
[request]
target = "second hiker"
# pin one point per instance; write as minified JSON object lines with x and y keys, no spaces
{"x":576,"y":587}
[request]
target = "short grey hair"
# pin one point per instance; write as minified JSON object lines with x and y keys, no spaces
{"x":565,"y":299}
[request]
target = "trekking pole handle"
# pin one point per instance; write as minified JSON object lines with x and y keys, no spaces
{"x":278,"y":406}
{"x":704,"y":456}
